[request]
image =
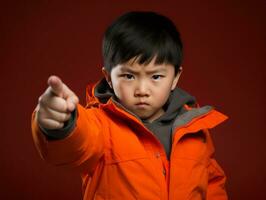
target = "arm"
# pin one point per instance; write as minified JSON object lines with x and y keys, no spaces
{"x":81,"y":148}
{"x":64,"y":132}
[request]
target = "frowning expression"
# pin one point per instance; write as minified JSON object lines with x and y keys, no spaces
{"x":143,"y":89}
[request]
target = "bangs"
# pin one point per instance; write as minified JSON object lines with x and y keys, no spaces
{"x":145,"y":49}
{"x":142,"y":37}
{"x":164,"y":51}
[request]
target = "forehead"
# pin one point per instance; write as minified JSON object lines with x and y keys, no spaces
{"x":133,"y":65}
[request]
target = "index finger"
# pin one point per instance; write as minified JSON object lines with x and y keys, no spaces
{"x":56,"y":85}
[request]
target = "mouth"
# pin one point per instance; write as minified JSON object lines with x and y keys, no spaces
{"x":142,"y":104}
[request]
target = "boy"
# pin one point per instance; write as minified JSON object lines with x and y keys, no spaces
{"x":140,"y":136}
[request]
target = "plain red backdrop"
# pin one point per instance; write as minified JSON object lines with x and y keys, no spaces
{"x":224,"y":66}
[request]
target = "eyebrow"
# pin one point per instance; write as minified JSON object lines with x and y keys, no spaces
{"x":160,"y":70}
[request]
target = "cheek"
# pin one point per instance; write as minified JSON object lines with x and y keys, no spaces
{"x":122,"y":91}
{"x":162,"y":98}
{"x":162,"y":93}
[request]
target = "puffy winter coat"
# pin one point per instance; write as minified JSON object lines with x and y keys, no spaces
{"x":119,"y":158}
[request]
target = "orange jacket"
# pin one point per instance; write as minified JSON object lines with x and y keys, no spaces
{"x":119,"y":158}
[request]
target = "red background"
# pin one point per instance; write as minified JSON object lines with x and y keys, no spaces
{"x":224,"y":66}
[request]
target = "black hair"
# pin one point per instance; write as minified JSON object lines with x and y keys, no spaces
{"x":142,"y":35}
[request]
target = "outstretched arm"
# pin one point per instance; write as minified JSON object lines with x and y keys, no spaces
{"x":82,"y":146}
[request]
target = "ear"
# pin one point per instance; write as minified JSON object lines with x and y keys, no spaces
{"x":175,"y":81}
{"x":107,"y":77}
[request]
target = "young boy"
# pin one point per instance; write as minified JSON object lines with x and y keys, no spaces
{"x":140,"y":136}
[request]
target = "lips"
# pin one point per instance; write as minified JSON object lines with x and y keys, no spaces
{"x":142,"y":104}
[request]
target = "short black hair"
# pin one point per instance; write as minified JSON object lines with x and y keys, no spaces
{"x":142,"y":35}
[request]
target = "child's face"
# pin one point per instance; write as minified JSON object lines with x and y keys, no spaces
{"x":141,"y":89}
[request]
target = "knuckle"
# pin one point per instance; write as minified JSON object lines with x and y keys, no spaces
{"x":43,"y":100}
{"x":40,"y":98}
{"x":39,"y":114}
{"x":76,"y":99}
{"x":41,"y":122}
{"x":61,"y":106}
{"x":56,"y":104}
{"x":59,"y":125}
{"x":52,"y":124}
{"x":66,"y":117}
{"x":62,"y":117}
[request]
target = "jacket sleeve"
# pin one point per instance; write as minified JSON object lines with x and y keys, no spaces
{"x":82,"y":148}
{"x":62,"y":132}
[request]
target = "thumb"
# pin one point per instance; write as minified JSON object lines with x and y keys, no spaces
{"x":56,"y":85}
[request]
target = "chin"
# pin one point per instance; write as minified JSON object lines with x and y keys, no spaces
{"x":144,"y":116}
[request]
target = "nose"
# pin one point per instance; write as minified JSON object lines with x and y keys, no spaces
{"x":141,"y":90}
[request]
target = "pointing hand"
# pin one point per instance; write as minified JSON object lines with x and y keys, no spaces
{"x":55,"y":104}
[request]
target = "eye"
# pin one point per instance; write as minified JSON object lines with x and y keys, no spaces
{"x":156,"y":77}
{"x":128,"y":76}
